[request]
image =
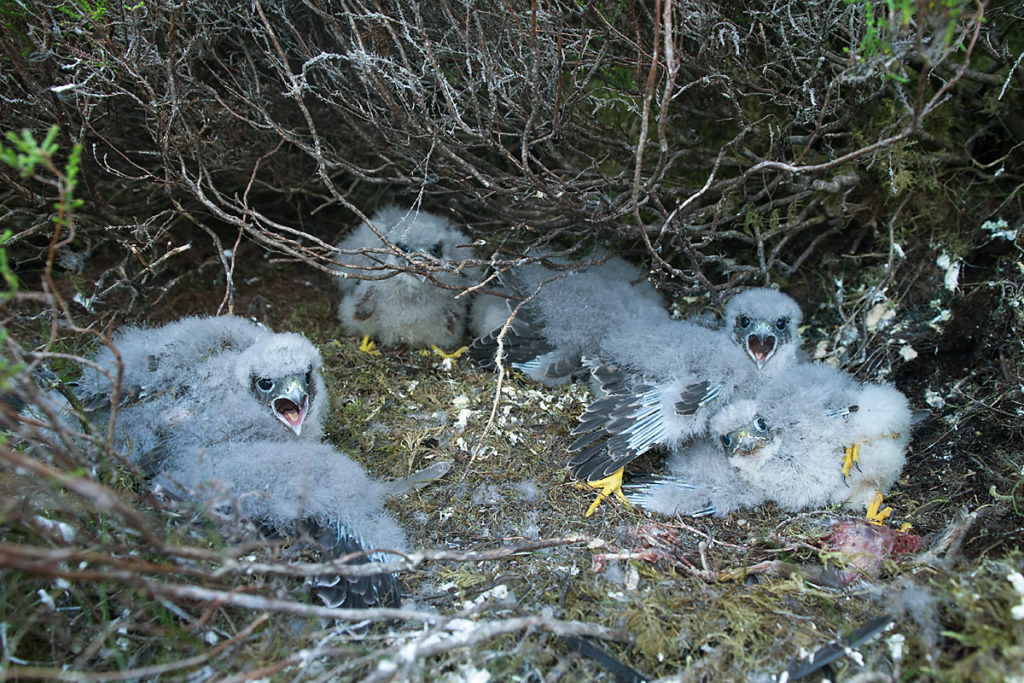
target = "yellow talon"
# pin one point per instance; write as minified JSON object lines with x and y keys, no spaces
{"x":454,"y":354}
{"x":369,"y":346}
{"x":874,"y":514}
{"x":610,"y":485}
{"x":851,"y":458}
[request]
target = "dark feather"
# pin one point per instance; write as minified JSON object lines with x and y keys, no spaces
{"x":608,"y":376}
{"x":586,"y":439}
{"x":523,"y":342}
{"x":564,"y":367}
{"x":836,"y":649}
{"x":366,"y":306}
{"x":357,"y":592}
{"x":599,"y":466}
{"x":621,"y":672}
{"x":693,"y":397}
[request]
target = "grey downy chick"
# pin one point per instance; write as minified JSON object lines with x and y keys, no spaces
{"x":200,"y":381}
{"x":787,"y":445}
{"x":662,"y":383}
{"x":397,"y":307}
{"x":300,"y":489}
{"x":573,"y":313}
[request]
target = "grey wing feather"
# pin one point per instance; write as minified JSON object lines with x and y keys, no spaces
{"x":564,"y":367}
{"x":694,"y":397}
{"x":523,"y":343}
{"x":355,"y":592}
{"x":671,"y":495}
{"x":701,"y":482}
{"x":628,"y":422}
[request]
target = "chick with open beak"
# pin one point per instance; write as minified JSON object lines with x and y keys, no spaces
{"x":288,"y":397}
{"x":282,"y":375}
{"x":764,"y":324}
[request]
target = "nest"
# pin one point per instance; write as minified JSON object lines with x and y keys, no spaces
{"x":207,"y":157}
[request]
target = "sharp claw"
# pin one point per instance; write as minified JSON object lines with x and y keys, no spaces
{"x":874,"y":514}
{"x":454,"y":354}
{"x":851,"y":458}
{"x":369,"y":346}
{"x":610,"y":485}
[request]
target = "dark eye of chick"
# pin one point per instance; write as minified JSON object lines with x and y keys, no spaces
{"x":760,"y":423}
{"x":435,"y":249}
{"x":743,"y":321}
{"x":726,"y":441}
{"x":264,"y":384}
{"x":781,"y":323}
{"x":309,"y":376}
{"x":402,"y":246}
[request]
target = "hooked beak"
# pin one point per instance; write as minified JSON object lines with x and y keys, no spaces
{"x":748,"y":444}
{"x":761,"y":344}
{"x":291,"y":405}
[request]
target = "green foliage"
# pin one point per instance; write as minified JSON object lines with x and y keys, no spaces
{"x":10,"y":14}
{"x":884,"y":18}
{"x":91,"y":10}
{"x":25,"y":154}
{"x":7,"y":369}
{"x":10,"y":279}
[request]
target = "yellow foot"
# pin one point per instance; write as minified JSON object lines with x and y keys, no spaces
{"x":610,"y":485}
{"x":874,"y":514}
{"x":369,"y":346}
{"x":851,"y":458}
{"x":454,"y":354}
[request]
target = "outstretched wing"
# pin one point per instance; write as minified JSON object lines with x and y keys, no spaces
{"x":633,"y":417}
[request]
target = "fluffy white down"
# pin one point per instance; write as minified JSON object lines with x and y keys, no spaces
{"x":402,"y":308}
{"x":700,"y":481}
{"x":802,"y":409}
{"x":577,"y":311}
{"x":800,"y":466}
{"x":191,"y":383}
{"x":768,"y":304}
{"x":580,"y":310}
{"x":277,"y":482}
